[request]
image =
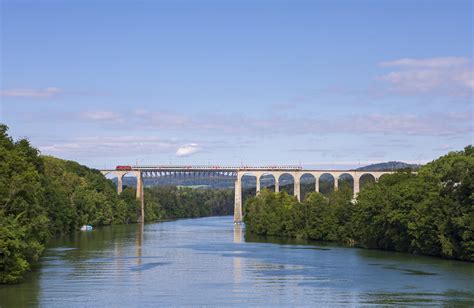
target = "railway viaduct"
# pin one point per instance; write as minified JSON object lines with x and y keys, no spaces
{"x":144,"y":172}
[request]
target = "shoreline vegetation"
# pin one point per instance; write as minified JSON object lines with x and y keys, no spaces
{"x":43,"y":196}
{"x":429,"y":213}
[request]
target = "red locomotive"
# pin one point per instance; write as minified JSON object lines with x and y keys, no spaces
{"x":123,"y":168}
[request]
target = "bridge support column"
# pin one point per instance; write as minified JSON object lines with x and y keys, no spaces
{"x":257,"y":191}
{"x":141,"y":213}
{"x":356,"y":188}
{"x":277,"y":186}
{"x":119,"y":184}
{"x":336,"y":183}
{"x":296,"y":189}
{"x":316,"y":184}
{"x":238,"y":201}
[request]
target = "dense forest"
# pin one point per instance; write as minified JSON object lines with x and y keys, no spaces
{"x":430,"y":213}
{"x":43,"y":196}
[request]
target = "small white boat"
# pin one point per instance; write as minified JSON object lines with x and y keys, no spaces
{"x":86,"y":228}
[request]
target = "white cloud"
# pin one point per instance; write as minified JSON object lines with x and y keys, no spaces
{"x":109,"y":146}
{"x":446,"y":76}
{"x":188,"y":149}
{"x":428,"y":124}
{"x":102,"y":116}
{"x":31,"y":93}
{"x":441,"y":62}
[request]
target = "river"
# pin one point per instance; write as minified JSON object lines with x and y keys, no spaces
{"x":208,"y":261}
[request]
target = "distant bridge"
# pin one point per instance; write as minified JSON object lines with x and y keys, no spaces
{"x":236,"y":172}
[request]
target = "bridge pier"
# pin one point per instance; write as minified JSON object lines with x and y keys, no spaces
{"x":139,"y":195}
{"x":119,"y":184}
{"x":296,"y":188}
{"x":238,"y":201}
{"x":336,"y":183}
{"x":316,"y":184}
{"x":356,"y":187}
{"x":257,"y":190}
{"x":277,"y":185}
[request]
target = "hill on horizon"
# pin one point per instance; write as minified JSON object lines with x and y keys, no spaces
{"x":387,"y":166}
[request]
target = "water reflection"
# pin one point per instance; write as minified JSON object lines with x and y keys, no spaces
{"x":209,"y":262}
{"x":237,"y":260}
{"x":139,"y":242}
{"x":237,"y":233}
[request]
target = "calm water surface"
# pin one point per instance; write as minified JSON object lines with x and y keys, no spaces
{"x":209,"y":261}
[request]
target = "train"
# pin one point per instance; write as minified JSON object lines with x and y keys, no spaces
{"x":123,"y":168}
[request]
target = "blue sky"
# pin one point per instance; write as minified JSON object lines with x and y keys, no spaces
{"x":320,"y":83}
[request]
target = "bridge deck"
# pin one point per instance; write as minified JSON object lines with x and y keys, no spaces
{"x":235,"y":169}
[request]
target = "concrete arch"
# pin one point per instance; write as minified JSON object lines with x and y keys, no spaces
{"x":327,"y":182}
{"x":139,"y":187}
{"x":116,"y":179}
{"x":284,"y":178}
{"x":250,"y":185}
{"x":377,"y":178}
{"x":307,"y":175}
{"x":286,"y":174}
{"x":115,"y":174}
{"x":127,"y":179}
{"x":346,"y":180}
{"x":308,"y":183}
{"x":247,"y":173}
{"x":265,"y":179}
{"x":366,"y":179}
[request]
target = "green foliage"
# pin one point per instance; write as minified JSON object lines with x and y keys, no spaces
{"x":270,"y":213}
{"x":15,"y":250}
{"x":430,"y":213}
{"x":23,"y":218}
{"x":170,"y":202}
{"x":44,"y":196}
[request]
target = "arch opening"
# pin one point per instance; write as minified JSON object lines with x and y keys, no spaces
{"x":346,"y":182}
{"x":286,"y":182}
{"x":114,"y":179}
{"x":382,"y":176}
{"x":249,"y":186}
{"x":307,"y":184}
{"x":326,"y":184}
{"x":129,"y":180}
{"x":267,"y":181}
{"x":366,"y":180}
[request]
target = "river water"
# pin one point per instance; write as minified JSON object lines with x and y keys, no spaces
{"x":209,"y":261}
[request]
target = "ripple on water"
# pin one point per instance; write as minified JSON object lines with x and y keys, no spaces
{"x":147,"y":266}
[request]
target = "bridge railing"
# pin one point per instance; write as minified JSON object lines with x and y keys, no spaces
{"x":202,"y":167}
